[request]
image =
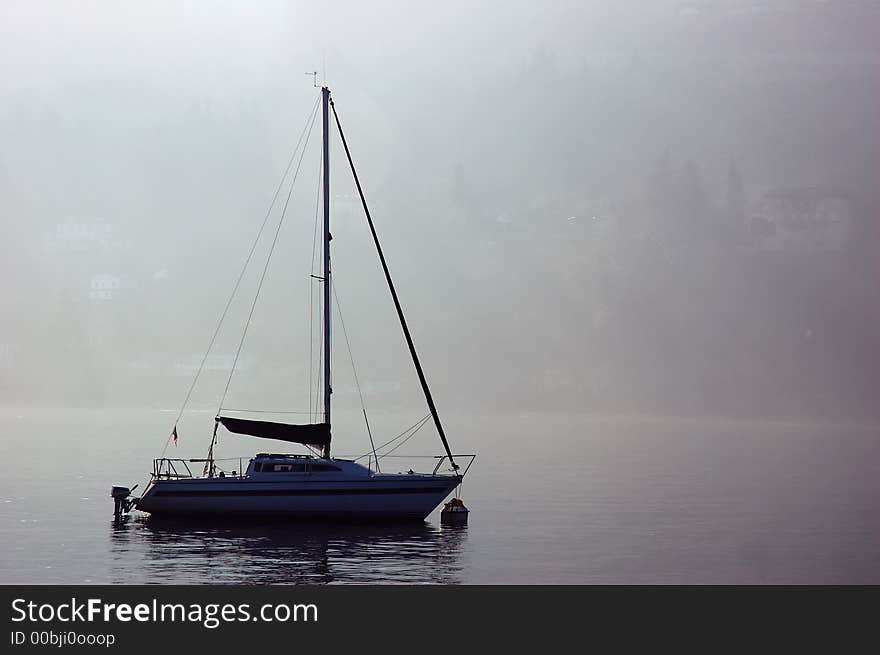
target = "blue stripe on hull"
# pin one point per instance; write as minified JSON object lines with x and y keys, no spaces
{"x":298,"y":492}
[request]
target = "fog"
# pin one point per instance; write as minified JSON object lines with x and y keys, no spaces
{"x":668,"y":208}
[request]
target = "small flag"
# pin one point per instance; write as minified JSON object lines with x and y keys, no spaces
{"x":174,"y":435}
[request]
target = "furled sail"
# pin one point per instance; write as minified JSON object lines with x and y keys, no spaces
{"x":311,"y":434}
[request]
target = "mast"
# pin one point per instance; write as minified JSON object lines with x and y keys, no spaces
{"x":325,"y":98}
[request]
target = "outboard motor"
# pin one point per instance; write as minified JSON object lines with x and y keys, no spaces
{"x":121,"y":502}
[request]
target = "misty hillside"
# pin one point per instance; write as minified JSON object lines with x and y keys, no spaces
{"x":672,"y":211}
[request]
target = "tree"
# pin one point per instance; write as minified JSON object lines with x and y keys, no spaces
{"x":692,"y":207}
{"x":735,"y":202}
{"x":660,"y":190}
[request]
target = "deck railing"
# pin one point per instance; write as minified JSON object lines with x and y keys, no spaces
{"x":166,"y":468}
{"x":442,"y":458}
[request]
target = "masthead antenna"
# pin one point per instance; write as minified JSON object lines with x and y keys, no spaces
{"x":314,"y":75}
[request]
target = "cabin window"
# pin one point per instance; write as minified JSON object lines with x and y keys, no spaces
{"x":325,"y":467}
{"x":258,"y":467}
{"x":285,"y":468}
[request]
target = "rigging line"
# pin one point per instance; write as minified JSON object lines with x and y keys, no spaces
{"x":409,"y":342}
{"x":312,"y":285}
{"x":414,"y":426}
{"x":354,"y":371}
{"x":319,"y":373}
{"x":266,"y":265}
{"x":421,"y":425}
{"x":393,"y":439}
{"x":309,"y":117}
{"x":312,"y":290}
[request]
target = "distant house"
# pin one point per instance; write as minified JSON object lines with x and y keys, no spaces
{"x":104,"y":287}
{"x":802,"y":220}
{"x":7,"y":355}
{"x":73,"y":236}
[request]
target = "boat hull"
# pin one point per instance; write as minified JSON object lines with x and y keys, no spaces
{"x":392,"y":497}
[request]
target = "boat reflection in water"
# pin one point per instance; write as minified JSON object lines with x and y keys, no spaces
{"x":181,"y":552}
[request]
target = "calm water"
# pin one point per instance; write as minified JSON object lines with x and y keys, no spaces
{"x":554,"y":499}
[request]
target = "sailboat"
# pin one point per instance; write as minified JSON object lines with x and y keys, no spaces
{"x":315,"y":485}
